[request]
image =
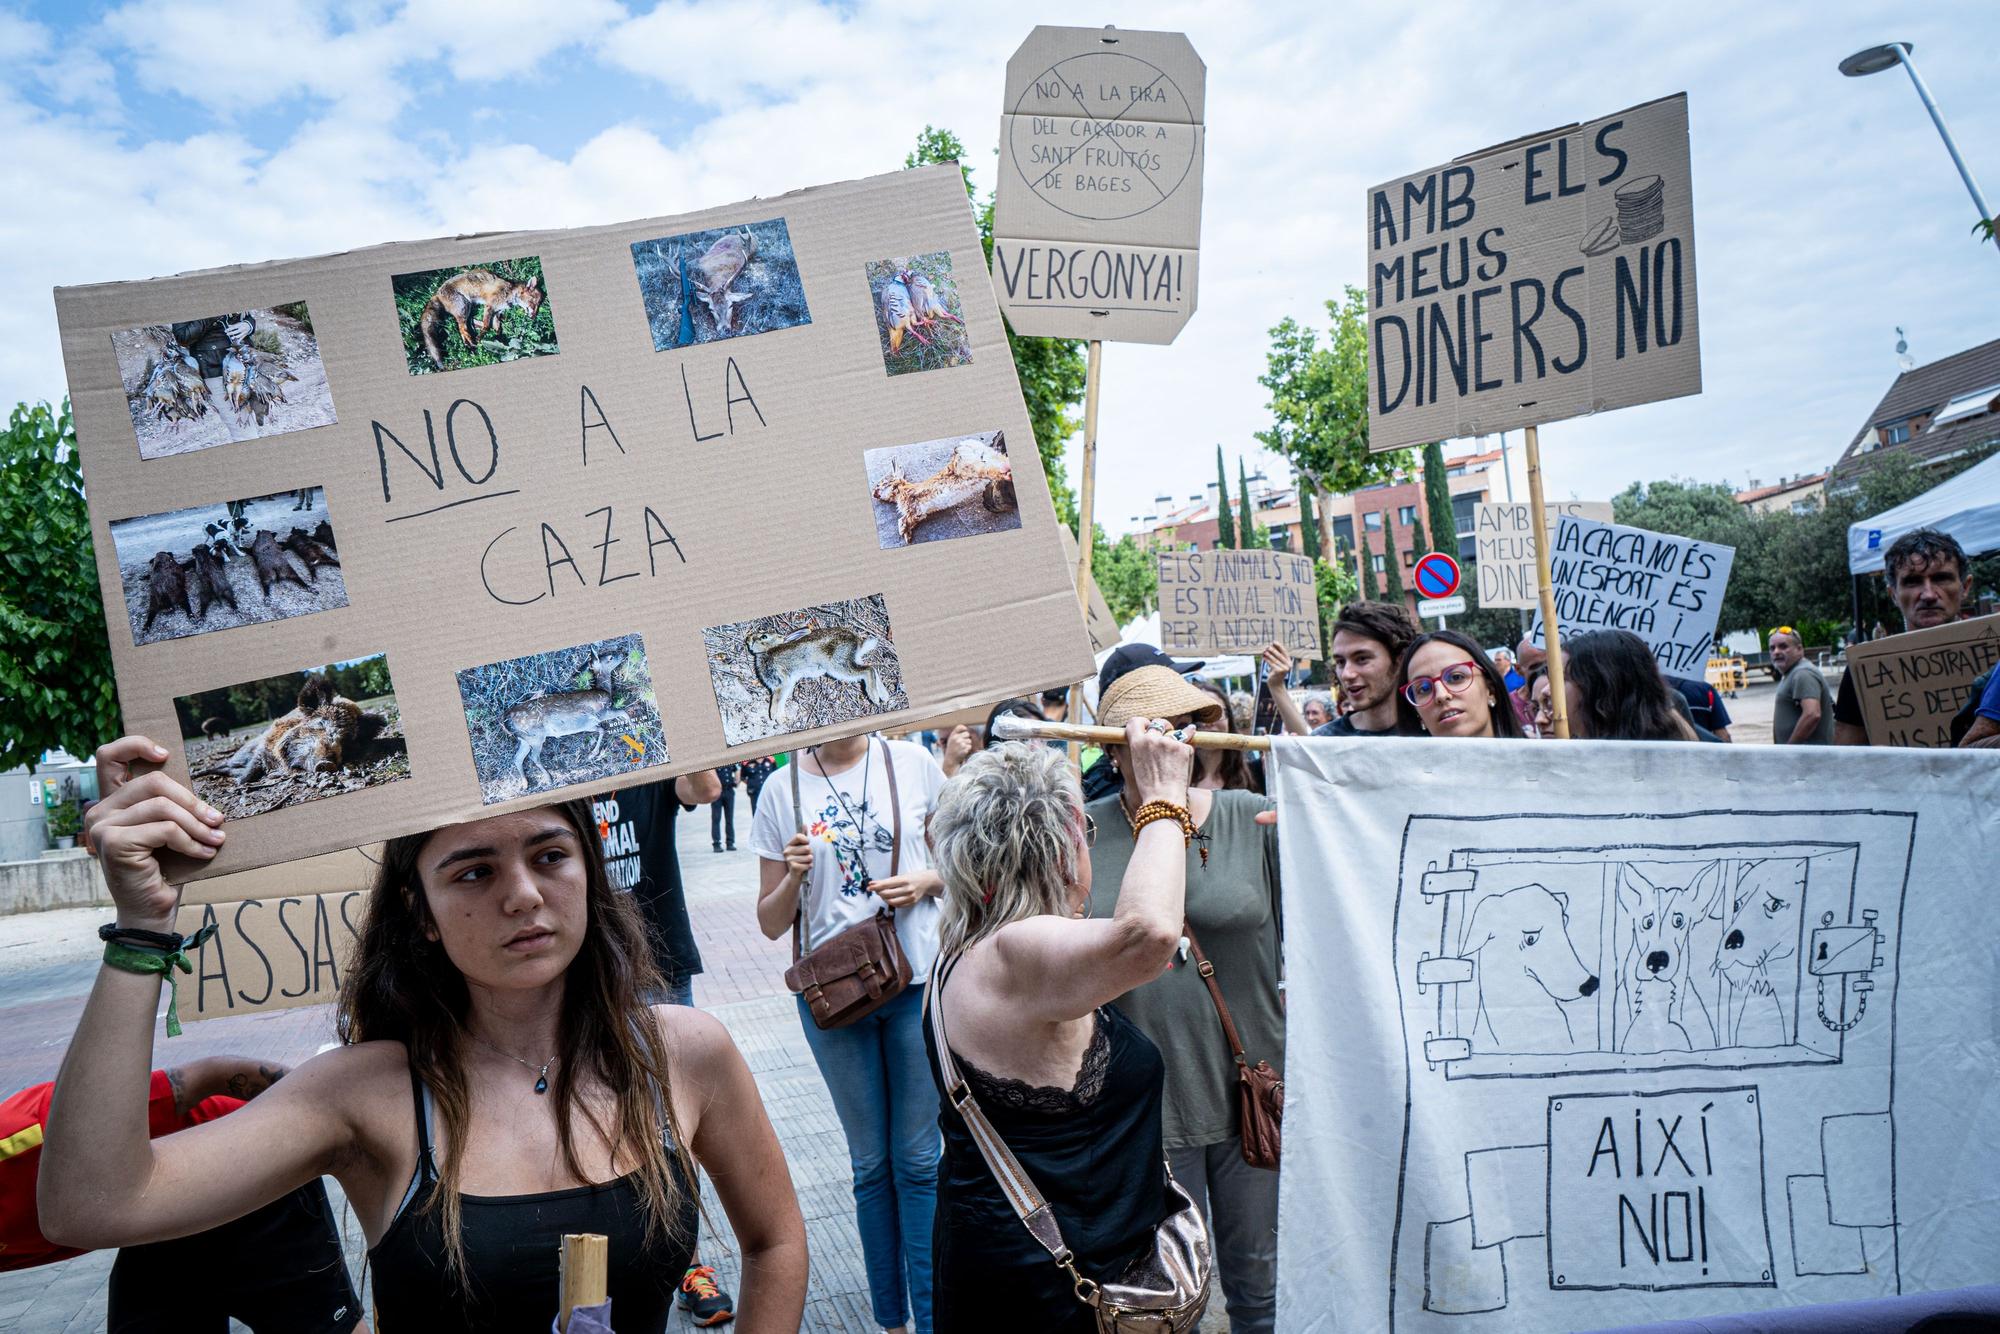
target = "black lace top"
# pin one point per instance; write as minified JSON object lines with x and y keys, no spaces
{"x":1093,"y":1150}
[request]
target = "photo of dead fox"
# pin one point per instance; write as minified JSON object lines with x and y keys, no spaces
{"x":498,"y":312}
{"x":248,"y":752}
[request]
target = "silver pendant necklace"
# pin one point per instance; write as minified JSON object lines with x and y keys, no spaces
{"x":541,"y":1075}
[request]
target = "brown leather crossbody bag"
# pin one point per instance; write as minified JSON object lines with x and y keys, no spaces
{"x":1260,"y":1091}
{"x":855,"y":973}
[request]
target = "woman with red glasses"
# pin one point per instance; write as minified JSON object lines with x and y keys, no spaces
{"x":1454,"y":688}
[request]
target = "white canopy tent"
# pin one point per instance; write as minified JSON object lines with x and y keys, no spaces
{"x":1967,"y":507}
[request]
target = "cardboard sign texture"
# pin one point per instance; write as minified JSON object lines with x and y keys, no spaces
{"x":1544,"y":278}
{"x":1237,"y":602}
{"x":1504,"y":547}
{"x":1097,"y":220}
{"x":564,"y":559}
{"x":1910,"y":685}
{"x":1665,"y":589}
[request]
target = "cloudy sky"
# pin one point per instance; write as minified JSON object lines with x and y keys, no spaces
{"x":162,"y":135}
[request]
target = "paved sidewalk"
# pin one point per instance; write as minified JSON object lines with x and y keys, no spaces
{"x":45,"y":967}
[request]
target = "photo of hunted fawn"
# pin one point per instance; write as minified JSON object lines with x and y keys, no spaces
{"x":556,"y":719}
{"x":933,"y":491}
{"x":235,"y":562}
{"x":474,"y":315}
{"x":297,"y":737}
{"x":804,"y":669}
{"x":202,"y":382}
{"x":729,"y":282}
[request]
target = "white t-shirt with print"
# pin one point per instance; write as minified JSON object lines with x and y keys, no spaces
{"x":848,"y":819}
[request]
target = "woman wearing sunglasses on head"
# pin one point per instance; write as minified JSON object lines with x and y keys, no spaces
{"x":1454,"y":689}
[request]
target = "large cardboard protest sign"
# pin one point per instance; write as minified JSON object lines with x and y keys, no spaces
{"x":1097,"y":219}
{"x":1540,"y":279}
{"x":283,"y":933}
{"x":1237,"y":602}
{"x":1504,"y":546}
{"x":412,"y":534}
{"x":1665,"y":589}
{"x":1911,"y":685}
{"x":1629,"y":1042}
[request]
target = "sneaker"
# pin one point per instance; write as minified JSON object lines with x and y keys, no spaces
{"x":705,"y":1303}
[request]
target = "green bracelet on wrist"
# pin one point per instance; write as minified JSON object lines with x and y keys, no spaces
{"x":144,"y":959}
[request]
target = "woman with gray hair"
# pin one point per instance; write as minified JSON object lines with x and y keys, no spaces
{"x":1022,"y":987}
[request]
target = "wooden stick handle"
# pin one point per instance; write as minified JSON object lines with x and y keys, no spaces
{"x":1010,"y":728}
{"x":585,"y":1277}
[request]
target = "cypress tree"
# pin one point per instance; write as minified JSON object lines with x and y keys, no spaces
{"x":1308,"y":524}
{"x":1225,"y":522}
{"x":1246,"y":524}
{"x":1392,"y":584}
{"x":1367,"y":567}
{"x":1437,"y":498}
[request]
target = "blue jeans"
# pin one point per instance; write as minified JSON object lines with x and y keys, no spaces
{"x":888,"y":1105}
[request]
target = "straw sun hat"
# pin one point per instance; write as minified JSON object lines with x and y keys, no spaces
{"x":1156,"y":692}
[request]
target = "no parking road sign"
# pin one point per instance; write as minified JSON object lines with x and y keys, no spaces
{"x":1437,"y":576}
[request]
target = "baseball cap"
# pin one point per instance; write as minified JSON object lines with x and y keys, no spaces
{"x":1128,"y":657}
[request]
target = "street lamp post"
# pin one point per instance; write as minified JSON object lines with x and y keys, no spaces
{"x":1878,"y":58}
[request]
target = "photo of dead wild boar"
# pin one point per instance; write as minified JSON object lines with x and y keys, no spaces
{"x":301,"y":736}
{"x":556,"y":719}
{"x":235,"y":562}
{"x":798,"y":670}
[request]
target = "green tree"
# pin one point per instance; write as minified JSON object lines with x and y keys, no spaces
{"x":1437,"y":498}
{"x":1308,"y":523}
{"x":1367,"y":558}
{"x":1319,"y":400}
{"x":1225,"y":521}
{"x":1127,"y":574}
{"x":1705,"y":511}
{"x":1051,"y":370}
{"x":1336,"y":587}
{"x":56,"y":688}
{"x":1248,"y":534}
{"x":1392,"y":582}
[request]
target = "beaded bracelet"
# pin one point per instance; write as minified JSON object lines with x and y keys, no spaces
{"x":1167,"y":810}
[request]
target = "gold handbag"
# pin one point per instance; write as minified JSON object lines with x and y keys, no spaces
{"x":1164,"y":1291}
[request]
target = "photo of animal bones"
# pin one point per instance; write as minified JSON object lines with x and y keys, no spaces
{"x":301,"y":736}
{"x":474,"y":315}
{"x":814,"y":667}
{"x":728,"y":282}
{"x":556,"y":719}
{"x":237,"y":562}
{"x":194,"y":384}
{"x":1636,"y":958}
{"x":960,"y":486}
{"x":918,"y":314}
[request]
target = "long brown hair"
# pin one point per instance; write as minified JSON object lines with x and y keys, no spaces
{"x":1505,"y":724}
{"x":401,"y":987}
{"x":1228,"y":765}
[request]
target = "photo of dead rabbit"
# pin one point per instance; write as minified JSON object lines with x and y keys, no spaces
{"x":804,"y":669}
{"x":959,"y":486}
{"x":731,"y":282}
{"x":237,"y":562}
{"x":918,"y":314}
{"x":194,"y":384}
{"x":474,"y":315}
{"x":551,"y":720}
{"x":294,"y":738}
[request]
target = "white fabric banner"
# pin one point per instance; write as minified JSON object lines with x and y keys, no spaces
{"x":1588,"y":1034}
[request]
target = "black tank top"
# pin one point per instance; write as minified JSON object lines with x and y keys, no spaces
{"x":1093,"y":1150}
{"x":512,"y":1253}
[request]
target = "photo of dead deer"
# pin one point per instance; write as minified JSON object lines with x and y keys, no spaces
{"x":298,"y":737}
{"x":933,"y":491}
{"x":918,"y":313}
{"x":236,"y":562}
{"x":194,"y":384}
{"x":555,"y":719}
{"x":731,"y":282}
{"x":802,"y":669}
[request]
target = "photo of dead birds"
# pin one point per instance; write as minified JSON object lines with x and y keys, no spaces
{"x":727,"y":283}
{"x":555,"y":719}
{"x":918,"y":315}
{"x":198,"y":383}
{"x":803,"y":669}
{"x":240,"y":562}
{"x":301,"y":736}
{"x":959,"y":486}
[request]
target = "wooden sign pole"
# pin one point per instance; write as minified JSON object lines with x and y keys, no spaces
{"x":1008,"y":728}
{"x":584,"y":1272}
{"x":1551,"y":637}
{"x":1086,"y":531}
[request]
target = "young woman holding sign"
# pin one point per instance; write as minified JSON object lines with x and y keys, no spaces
{"x":502,"y":1082}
